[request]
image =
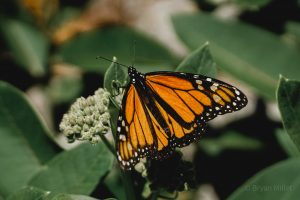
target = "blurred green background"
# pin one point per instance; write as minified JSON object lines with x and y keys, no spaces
{"x":48,"y":53}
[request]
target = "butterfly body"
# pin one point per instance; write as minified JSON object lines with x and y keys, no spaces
{"x":164,"y":110}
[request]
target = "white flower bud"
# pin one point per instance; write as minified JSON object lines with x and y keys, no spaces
{"x":87,"y":118}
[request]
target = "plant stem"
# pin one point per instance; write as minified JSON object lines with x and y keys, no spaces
{"x":155,"y":195}
{"x":170,"y":198}
{"x":113,"y":130}
{"x":108,"y":145}
{"x":127,"y":181}
{"x":124,"y":175}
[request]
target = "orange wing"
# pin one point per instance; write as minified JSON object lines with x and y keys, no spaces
{"x":134,"y":130}
{"x":139,"y":132}
{"x":187,"y":101}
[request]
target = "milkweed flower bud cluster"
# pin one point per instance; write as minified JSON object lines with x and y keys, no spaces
{"x":87,"y":118}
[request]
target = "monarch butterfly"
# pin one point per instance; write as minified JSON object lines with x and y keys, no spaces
{"x":164,"y":110}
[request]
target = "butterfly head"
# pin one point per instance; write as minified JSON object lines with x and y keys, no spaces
{"x":134,"y":74}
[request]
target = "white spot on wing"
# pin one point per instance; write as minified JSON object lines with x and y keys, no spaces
{"x":216,"y":98}
{"x":213,"y":88}
{"x":122,"y":137}
{"x":199,"y":82}
{"x":200,"y":87}
{"x":129,"y":146}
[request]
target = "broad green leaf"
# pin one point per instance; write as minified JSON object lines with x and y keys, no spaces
{"x":24,"y":144}
{"x":251,"y":54}
{"x":77,"y":171}
{"x":115,"y":41}
{"x":28,"y":45}
{"x":280,"y":181}
{"x":287,"y":143}
{"x":229,"y":140}
{"x":115,"y":73}
{"x":288,"y":97}
{"x":29,"y":193}
{"x":32,"y":193}
{"x":64,"y":89}
{"x":199,"y":61}
{"x":70,"y":197}
{"x":64,"y":15}
{"x":294,"y":29}
{"x":251,"y":4}
{"x":293,"y":33}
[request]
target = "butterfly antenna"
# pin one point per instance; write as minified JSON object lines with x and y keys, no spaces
{"x":103,"y":58}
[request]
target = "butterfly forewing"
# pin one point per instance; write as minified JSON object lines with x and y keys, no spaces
{"x":194,"y":96}
{"x":134,"y":129}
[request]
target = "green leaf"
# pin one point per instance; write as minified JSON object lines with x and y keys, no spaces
{"x":117,"y":73}
{"x":77,"y":171}
{"x":29,"y":193}
{"x":199,"y":61}
{"x":287,"y":143}
{"x":70,"y":197}
{"x":229,"y":140}
{"x":28,"y":45}
{"x":64,"y":15}
{"x":24,"y":144}
{"x":288,"y":97}
{"x":293,"y":28}
{"x":252,"y":4}
{"x":32,"y":193}
{"x":64,"y":89}
{"x":115,"y":41}
{"x":251,"y":54}
{"x":280,"y":181}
